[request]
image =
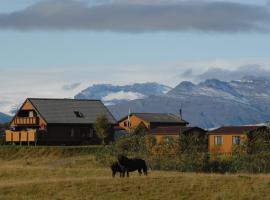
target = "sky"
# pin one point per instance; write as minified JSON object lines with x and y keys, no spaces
{"x":56,"y":48}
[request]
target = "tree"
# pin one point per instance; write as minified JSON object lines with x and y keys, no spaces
{"x":102,"y":127}
{"x":140,"y":130}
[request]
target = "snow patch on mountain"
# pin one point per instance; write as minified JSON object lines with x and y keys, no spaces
{"x":121,"y":96}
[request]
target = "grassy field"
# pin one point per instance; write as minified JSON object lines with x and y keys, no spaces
{"x":61,"y":173}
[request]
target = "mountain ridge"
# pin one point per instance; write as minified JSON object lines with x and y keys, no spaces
{"x":4,"y":118}
{"x":114,"y":94}
{"x":210,"y":103}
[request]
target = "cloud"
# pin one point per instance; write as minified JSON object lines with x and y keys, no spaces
{"x":139,"y":16}
{"x":71,"y":86}
{"x":235,"y":74}
{"x":123,"y":96}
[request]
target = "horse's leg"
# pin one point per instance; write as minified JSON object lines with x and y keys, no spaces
{"x":113,"y":174}
{"x":140,"y":171}
{"x":127,"y":173}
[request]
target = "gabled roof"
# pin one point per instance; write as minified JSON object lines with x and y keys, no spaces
{"x":158,"y":118}
{"x":235,"y":129}
{"x":65,"y":111}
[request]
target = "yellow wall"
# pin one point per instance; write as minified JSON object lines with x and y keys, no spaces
{"x":27,"y":106}
{"x":20,"y":136}
{"x":226,"y":146}
{"x":135,"y":121}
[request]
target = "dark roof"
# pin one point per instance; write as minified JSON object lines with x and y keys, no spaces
{"x":235,"y":129}
{"x":173,"y":130}
{"x":65,"y":111}
{"x":184,"y":129}
{"x":158,"y":118}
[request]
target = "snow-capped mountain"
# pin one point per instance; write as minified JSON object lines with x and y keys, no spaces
{"x":4,"y":118}
{"x":211,"y":103}
{"x":114,"y":94}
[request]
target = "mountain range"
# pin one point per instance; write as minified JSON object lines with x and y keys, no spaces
{"x":4,"y":118}
{"x":208,"y":104}
{"x":115,"y":94}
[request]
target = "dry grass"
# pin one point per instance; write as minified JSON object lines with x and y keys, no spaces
{"x":78,"y":177}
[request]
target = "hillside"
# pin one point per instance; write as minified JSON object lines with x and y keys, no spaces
{"x":4,"y":118}
{"x":210,"y":103}
{"x":71,"y":173}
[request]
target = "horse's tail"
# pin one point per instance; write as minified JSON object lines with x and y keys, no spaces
{"x":144,"y":168}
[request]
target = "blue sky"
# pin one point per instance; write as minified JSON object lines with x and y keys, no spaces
{"x":39,"y":56}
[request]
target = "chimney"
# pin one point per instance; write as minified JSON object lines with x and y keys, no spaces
{"x":180,"y":112}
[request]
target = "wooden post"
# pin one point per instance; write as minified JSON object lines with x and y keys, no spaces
{"x":20,"y":138}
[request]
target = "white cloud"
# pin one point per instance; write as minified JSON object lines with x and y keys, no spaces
{"x":123,"y":96}
{"x":17,"y":85}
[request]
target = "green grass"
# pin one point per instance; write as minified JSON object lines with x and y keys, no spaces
{"x":72,"y":173}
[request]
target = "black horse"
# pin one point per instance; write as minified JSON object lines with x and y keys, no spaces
{"x":133,"y":164}
{"x":116,"y":167}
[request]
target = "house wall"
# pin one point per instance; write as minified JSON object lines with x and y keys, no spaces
{"x":135,"y":121}
{"x":227,"y":146}
{"x":57,"y":134}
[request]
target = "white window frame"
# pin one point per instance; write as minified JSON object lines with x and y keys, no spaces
{"x":217,"y":141}
{"x":234,"y":140}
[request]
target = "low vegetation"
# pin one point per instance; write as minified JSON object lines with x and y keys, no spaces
{"x":190,"y":154}
{"x":73,"y":173}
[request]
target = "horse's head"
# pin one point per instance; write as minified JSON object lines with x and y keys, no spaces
{"x":122,"y":159}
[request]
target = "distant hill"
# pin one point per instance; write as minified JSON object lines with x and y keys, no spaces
{"x":209,"y":104}
{"x":114,"y":94}
{"x":4,"y":118}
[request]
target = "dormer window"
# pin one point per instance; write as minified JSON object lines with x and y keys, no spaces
{"x":78,"y":114}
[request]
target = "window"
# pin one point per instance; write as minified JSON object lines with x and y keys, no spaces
{"x":71,"y":132}
{"x":218,"y":140}
{"x":31,"y":113}
{"x":78,"y":114}
{"x":91,"y":132}
{"x":236,"y":140}
{"x":153,"y":141}
{"x":168,"y":140}
{"x":125,"y":124}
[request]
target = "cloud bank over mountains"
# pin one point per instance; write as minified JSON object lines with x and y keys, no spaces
{"x":245,"y":71}
{"x":139,"y":16}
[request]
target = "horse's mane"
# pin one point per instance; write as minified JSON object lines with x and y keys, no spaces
{"x":123,"y":159}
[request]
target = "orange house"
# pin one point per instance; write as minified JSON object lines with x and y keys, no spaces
{"x":160,"y":125}
{"x":222,"y":140}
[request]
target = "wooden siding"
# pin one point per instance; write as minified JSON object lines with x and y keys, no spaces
{"x":68,"y":134}
{"x":28,"y":106}
{"x":135,"y":121}
{"x":20,"y":136}
{"x":227,"y":144}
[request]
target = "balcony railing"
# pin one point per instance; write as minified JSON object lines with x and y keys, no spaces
{"x":20,"y":136}
{"x":26,"y":120}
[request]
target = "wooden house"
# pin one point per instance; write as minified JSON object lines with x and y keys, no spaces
{"x":223,"y":139}
{"x":56,"y":121}
{"x":160,"y":125}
